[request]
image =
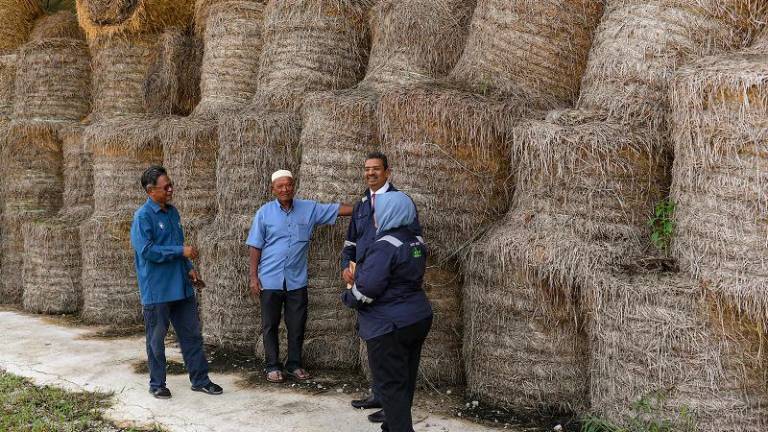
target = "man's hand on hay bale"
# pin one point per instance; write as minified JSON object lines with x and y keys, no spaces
{"x":190,"y":252}
{"x":255,"y":286}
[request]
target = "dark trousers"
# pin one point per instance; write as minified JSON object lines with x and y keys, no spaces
{"x":394,"y":360}
{"x":273,"y":303}
{"x":183,"y":315}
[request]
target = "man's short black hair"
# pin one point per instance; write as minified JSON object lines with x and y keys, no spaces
{"x":378,"y":155}
{"x":151,"y":174}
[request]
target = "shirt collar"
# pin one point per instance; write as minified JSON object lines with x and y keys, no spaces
{"x":381,"y":190}
{"x":153,"y":205}
{"x":279,"y":207}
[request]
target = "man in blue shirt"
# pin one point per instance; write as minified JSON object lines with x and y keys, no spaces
{"x":278,"y":242}
{"x":166,"y":275}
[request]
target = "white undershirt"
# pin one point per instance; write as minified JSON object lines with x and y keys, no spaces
{"x":381,"y":190}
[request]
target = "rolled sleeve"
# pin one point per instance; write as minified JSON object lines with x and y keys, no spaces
{"x":257,"y":234}
{"x":326,"y":214}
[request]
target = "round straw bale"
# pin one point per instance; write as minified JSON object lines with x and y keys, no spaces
{"x":657,"y":342}
{"x":414,"y":41}
{"x":639,"y":44}
{"x":7,"y":82}
{"x":540,"y":46}
{"x":233,"y":42}
{"x":170,"y":85}
{"x":51,"y":271}
{"x":230,"y":314}
{"x":585,"y":189}
{"x":720,"y":106}
{"x":16,"y":20}
{"x":451,"y":150}
{"x":59,"y":25}
{"x":311,"y":45}
{"x":190,"y":148}
{"x":111,"y":17}
{"x":339,"y":129}
{"x":32,"y":191}
{"x":518,"y":354}
{"x":120,"y":67}
{"x":53,"y":80}
{"x":77,"y":203}
{"x":122,"y":149}
{"x":251,"y":147}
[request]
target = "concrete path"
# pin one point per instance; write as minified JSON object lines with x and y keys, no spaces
{"x":56,"y":355}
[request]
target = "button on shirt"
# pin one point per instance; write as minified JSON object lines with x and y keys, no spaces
{"x":158,"y":243}
{"x":283,"y":237}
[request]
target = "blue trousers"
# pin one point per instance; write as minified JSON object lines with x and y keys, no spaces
{"x":183,"y":315}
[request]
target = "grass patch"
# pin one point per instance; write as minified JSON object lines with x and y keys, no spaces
{"x":29,"y":408}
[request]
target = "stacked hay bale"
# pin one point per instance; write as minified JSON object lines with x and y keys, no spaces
{"x":120,"y":17}
{"x":7,"y":79}
{"x":290,"y":66}
{"x":232,"y":46}
{"x":16,"y":20}
{"x":453,"y":141}
{"x":52,"y":257}
{"x":32,"y":187}
{"x":720,"y":105}
{"x":121,"y":151}
{"x":658,"y":343}
{"x":171,"y":83}
{"x":415,"y":41}
{"x":251,"y":147}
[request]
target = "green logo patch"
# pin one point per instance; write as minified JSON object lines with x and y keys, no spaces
{"x":416,"y":252}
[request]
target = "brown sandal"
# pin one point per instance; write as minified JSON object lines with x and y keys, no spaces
{"x":275,"y":377}
{"x":300,"y":374}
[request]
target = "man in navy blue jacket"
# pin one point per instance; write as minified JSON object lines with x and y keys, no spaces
{"x":360,"y":235}
{"x":394,"y":313}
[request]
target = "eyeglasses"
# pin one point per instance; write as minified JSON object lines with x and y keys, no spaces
{"x":167,"y":188}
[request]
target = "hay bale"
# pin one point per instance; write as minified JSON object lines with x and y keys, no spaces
{"x":251,"y":147}
{"x":233,"y":42}
{"x":53,"y":80}
{"x":114,"y":17}
{"x":413,"y":41}
{"x":539,"y":46}
{"x":290,"y":65}
{"x":520,"y":353}
{"x":16,"y":20}
{"x":59,"y":25}
{"x":122,"y":149}
{"x":720,"y":106}
{"x":638,"y":46}
{"x":52,"y":254}
{"x":7,"y":81}
{"x":190,"y":148}
{"x":171,"y":83}
{"x":120,"y":67}
{"x":339,"y":129}
{"x":655,"y":338}
{"x":32,"y":191}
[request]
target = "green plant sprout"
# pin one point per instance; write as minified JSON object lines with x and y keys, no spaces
{"x":662,"y":225}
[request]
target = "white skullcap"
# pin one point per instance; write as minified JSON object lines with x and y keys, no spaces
{"x":281,"y":173}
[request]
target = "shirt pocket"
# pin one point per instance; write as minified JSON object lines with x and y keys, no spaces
{"x":304,"y":231}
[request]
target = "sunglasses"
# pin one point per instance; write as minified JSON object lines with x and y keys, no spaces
{"x":167,"y":188}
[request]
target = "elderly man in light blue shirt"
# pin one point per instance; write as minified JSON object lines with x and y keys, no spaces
{"x":278,"y":242}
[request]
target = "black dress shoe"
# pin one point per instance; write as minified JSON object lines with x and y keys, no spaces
{"x":160,"y":393}
{"x":368,"y":403}
{"x":210,"y":388}
{"x":377,"y":417}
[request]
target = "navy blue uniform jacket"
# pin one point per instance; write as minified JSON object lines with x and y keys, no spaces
{"x":388,"y":292}
{"x":361,"y":232}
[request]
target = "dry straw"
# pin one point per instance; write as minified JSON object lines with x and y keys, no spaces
{"x":536,"y":45}
{"x":16,"y":20}
{"x":414,"y":41}
{"x":518,"y":354}
{"x":171,"y":82}
{"x":720,"y":106}
{"x":252,"y":145}
{"x":122,"y":149}
{"x":639,"y":44}
{"x":52,"y":255}
{"x":32,"y":190}
{"x":655,"y":338}
{"x":113,"y":17}
{"x":311,"y":45}
{"x":233,"y":42}
{"x":7,"y":81}
{"x":53,"y":80}
{"x":339,"y":129}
